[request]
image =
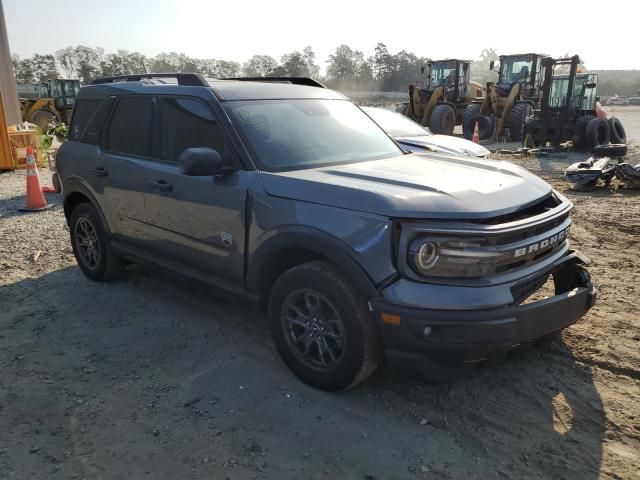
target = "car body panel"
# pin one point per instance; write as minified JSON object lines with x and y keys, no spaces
{"x":200,"y":221}
{"x":444,"y":144}
{"x":414,"y":186}
{"x":413,"y":140}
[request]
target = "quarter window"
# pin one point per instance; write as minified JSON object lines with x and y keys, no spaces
{"x":84,"y":112}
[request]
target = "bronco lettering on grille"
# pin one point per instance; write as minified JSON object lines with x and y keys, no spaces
{"x":543,"y":244}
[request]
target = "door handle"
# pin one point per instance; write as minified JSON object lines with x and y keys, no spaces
{"x":161,"y":186}
{"x":100,"y":172}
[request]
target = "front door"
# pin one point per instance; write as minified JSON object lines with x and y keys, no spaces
{"x":199,"y":221}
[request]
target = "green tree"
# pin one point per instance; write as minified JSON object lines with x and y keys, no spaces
{"x":259,"y":66}
{"x":88,"y":61}
{"x":44,"y":67}
{"x":68,"y":61}
{"x":342,"y":68}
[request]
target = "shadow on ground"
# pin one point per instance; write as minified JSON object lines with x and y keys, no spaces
{"x":153,"y":377}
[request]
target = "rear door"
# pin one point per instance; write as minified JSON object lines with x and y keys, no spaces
{"x":198,"y":221}
{"x":126,"y":147}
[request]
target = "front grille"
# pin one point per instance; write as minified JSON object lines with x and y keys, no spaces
{"x":524,"y":234}
{"x":544,"y":205}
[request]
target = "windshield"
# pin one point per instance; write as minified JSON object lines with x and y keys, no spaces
{"x":443,"y":73}
{"x":294,"y":134}
{"x":395,"y":124}
{"x":515,"y":70}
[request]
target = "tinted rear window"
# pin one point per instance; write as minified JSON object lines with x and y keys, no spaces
{"x":131,"y":126}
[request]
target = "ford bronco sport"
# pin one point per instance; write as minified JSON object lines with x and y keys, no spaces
{"x":286,"y":193}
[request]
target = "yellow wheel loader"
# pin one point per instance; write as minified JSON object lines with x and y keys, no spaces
{"x":441,"y":100}
{"x":48,"y":102}
{"x":509,"y":101}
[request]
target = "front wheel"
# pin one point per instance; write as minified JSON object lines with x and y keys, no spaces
{"x":443,"y":119}
{"x":517,"y":118}
{"x":90,"y":244}
{"x":322,"y":328}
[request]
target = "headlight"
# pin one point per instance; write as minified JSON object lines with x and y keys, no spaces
{"x":452,"y":257}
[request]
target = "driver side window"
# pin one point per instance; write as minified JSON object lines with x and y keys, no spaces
{"x":187,"y":123}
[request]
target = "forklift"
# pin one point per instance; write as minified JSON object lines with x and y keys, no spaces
{"x":568,"y":109}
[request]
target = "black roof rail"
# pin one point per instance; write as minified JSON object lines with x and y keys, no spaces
{"x":309,"y":82}
{"x":184,"y":79}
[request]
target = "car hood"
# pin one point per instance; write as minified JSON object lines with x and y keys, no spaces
{"x":414,"y":186}
{"x":445,"y":144}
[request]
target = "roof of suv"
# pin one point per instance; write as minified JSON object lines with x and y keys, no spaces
{"x":224,"y":90}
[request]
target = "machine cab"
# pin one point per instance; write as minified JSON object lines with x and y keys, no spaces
{"x":451,"y":74}
{"x":525,"y":69}
{"x":63,"y":92}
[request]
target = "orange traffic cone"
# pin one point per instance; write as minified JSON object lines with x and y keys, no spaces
{"x":35,"y":198}
{"x":476,"y":134}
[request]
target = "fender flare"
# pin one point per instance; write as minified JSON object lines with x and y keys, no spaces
{"x":310,"y":239}
{"x":75,"y":185}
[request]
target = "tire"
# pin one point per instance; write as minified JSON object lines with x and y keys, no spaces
{"x":470,"y":112}
{"x":596,"y":133}
{"x":611,"y":150}
{"x":616,"y":131}
{"x":486,"y":126}
{"x":517,"y":117}
{"x":443,"y":119}
{"x":42,"y":118}
{"x":301,"y":303}
{"x":90,"y":243}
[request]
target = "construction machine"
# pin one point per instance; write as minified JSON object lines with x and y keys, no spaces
{"x":48,"y":102}
{"x":510,"y":100}
{"x":440,"y":101}
{"x":567,"y":109}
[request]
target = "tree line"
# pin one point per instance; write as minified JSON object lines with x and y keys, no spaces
{"x":347,"y":69}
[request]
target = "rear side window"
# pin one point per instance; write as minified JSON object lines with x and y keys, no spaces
{"x":187,"y":123}
{"x":130,"y":129}
{"x":83,"y":115}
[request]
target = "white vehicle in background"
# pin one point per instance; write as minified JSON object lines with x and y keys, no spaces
{"x":616,"y":100}
{"x":416,"y":138}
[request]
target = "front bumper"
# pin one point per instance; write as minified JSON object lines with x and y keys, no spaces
{"x":471,"y":334}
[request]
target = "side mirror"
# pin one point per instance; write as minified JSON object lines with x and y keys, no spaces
{"x":201,"y":162}
{"x":492,"y":64}
{"x":591,"y":85}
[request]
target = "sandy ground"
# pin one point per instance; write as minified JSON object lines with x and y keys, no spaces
{"x":151,"y":377}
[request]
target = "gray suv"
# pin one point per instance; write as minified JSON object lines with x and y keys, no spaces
{"x":285,"y":193}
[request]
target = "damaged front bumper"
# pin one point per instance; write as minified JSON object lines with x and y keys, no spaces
{"x":472,"y":324}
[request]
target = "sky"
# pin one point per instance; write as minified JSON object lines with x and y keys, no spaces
{"x":236,"y":30}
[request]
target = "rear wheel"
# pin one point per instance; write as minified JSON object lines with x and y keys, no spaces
{"x":596,"y":133}
{"x":443,"y":119}
{"x":42,"y":118}
{"x":517,"y":118}
{"x":90,"y":243}
{"x":322,"y":327}
{"x":468,"y":115}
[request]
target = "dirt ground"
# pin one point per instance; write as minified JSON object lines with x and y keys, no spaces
{"x":151,"y":377}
